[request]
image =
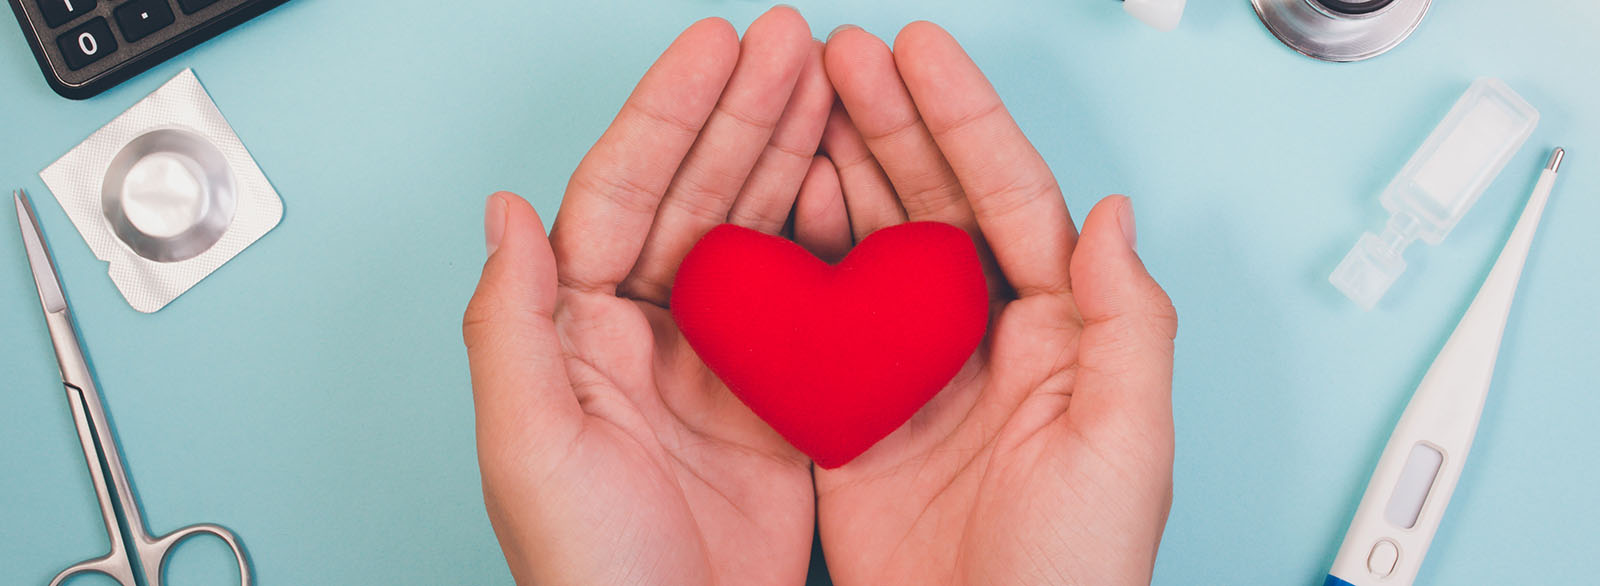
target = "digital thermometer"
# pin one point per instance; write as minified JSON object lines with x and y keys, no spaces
{"x":1420,"y":466}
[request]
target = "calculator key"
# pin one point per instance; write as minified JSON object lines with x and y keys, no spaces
{"x":193,"y":6}
{"x":87,"y":43}
{"x":139,"y":18}
{"x":59,"y":12}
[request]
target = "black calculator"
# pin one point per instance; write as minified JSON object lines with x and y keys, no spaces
{"x":87,"y":46}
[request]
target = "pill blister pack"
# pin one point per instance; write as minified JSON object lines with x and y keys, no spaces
{"x":165,"y":193}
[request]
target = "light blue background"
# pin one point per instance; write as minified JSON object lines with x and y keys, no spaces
{"x":313,"y":393}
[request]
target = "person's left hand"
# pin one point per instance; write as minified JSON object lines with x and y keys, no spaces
{"x":1048,"y":459}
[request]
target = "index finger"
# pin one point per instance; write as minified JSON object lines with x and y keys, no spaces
{"x":1012,"y":191}
{"x":612,"y":197}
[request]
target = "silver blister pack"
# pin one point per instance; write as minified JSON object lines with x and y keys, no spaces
{"x":165,"y":193}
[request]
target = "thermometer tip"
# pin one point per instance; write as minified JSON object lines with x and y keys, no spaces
{"x":1555,"y":160}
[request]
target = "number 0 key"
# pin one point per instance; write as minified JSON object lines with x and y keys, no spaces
{"x":87,"y":43}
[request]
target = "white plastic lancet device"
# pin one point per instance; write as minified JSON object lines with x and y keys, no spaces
{"x":1438,"y":185}
{"x":1162,"y":15}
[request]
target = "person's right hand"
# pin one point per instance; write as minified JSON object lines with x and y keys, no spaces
{"x":609,"y":453}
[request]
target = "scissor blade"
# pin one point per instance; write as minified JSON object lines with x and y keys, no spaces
{"x":44,"y":270}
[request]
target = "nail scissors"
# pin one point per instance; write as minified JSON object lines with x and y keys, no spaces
{"x":140,"y":560}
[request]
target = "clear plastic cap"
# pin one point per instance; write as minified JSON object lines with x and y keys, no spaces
{"x":1438,"y":185}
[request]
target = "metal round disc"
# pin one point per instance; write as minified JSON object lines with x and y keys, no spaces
{"x":1343,"y":33}
{"x":168,"y":194}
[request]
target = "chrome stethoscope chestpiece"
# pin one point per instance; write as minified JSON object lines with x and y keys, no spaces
{"x":1341,"y":30}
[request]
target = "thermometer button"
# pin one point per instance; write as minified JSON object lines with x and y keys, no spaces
{"x":1383,"y":558}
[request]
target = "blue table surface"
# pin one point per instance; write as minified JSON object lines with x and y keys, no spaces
{"x":312,"y":394}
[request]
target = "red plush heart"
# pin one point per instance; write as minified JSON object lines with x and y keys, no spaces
{"x":834,"y":357}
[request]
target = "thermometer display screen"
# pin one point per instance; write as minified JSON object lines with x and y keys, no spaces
{"x":1416,"y":479}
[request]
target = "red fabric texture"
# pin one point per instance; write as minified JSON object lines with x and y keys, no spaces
{"x":833,"y":357}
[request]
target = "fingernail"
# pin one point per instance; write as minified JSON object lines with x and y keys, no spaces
{"x":1125,"y":220}
{"x":841,"y":28}
{"x":494,"y":222}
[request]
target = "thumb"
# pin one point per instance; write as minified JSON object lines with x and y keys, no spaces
{"x":1125,"y":353}
{"x":519,"y":381}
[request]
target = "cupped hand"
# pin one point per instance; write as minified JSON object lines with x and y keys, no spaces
{"x":1048,"y":459}
{"x":609,"y":453}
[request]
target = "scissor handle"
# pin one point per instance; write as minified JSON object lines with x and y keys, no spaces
{"x":114,"y":565}
{"x":153,"y":553}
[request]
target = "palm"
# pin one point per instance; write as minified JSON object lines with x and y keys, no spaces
{"x":669,"y":459}
{"x":995,"y":478}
